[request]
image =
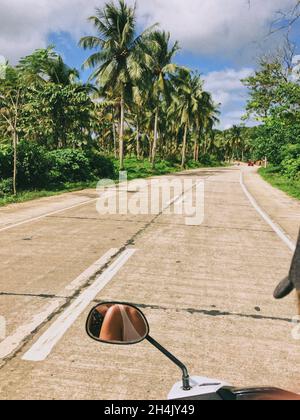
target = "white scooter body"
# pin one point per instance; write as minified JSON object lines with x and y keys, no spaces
{"x":201,"y":387}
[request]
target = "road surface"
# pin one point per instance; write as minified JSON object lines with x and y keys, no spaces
{"x":206,"y":290}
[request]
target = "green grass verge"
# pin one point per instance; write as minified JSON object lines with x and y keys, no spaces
{"x":143,"y":168}
{"x":135,"y":169}
{"x":23,"y":196}
{"x":289,"y":186}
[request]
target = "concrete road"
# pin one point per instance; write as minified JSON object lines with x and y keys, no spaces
{"x":206,"y":290}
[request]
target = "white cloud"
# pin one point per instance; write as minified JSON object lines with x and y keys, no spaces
{"x":227,"y":89}
{"x":224,"y":27}
{"x":26,"y":24}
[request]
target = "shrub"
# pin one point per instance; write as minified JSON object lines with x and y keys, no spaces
{"x":6,"y":187}
{"x":6,"y":161}
{"x":33,"y":165}
{"x":208,"y":160}
{"x":69,"y":165}
{"x":101,"y":166}
{"x":291,"y":168}
{"x":291,"y":151}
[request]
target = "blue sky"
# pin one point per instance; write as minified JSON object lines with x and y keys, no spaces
{"x":219,"y":38}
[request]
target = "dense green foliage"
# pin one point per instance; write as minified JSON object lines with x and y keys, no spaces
{"x":282,"y":182}
{"x":275,"y":102}
{"x":39,"y":168}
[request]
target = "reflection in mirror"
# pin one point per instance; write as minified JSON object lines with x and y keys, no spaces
{"x":117,"y":323}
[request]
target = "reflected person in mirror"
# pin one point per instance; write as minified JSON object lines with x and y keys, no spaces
{"x":122,"y":324}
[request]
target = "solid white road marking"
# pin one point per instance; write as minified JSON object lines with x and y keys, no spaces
{"x":12,"y":342}
{"x":282,"y":235}
{"x":91,"y":270}
{"x":34,"y":219}
{"x":43,"y":347}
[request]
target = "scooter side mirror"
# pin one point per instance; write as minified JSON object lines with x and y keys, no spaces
{"x":117,"y":323}
{"x":123,"y":324}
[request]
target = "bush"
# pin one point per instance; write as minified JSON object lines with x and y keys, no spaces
{"x":6,"y":161}
{"x":291,"y":168}
{"x":33,"y":166}
{"x":101,"y":166}
{"x":39,"y":168}
{"x":69,"y":165}
{"x":6,"y":187}
{"x":208,"y":160}
{"x":290,"y":151}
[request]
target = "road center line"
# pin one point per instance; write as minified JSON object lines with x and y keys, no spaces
{"x":12,"y":342}
{"x":277,"y":229}
{"x":43,"y":347}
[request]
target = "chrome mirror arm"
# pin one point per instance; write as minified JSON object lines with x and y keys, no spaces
{"x":185,"y":374}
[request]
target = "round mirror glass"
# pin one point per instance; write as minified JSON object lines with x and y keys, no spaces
{"x":117,"y":323}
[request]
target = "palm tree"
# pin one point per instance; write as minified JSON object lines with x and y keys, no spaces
{"x":186,"y":102}
{"x":138,"y":106}
{"x":209,"y":118}
{"x":45,"y":65}
{"x":237,"y":141}
{"x":161,"y":67}
{"x":119,"y":61}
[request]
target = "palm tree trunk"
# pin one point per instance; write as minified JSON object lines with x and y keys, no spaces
{"x":121,"y":139}
{"x":197,"y":153}
{"x":114,"y":136}
{"x":184,"y":146}
{"x":195,"y":149}
{"x":155,"y":138}
{"x":138,"y":150}
{"x":15,"y":143}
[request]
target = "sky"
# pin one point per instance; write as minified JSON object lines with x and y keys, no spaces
{"x":221,"y":39}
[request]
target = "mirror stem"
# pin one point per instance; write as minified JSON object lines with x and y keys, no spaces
{"x":185,"y":374}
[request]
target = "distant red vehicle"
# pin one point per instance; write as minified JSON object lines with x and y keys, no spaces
{"x":251,"y":163}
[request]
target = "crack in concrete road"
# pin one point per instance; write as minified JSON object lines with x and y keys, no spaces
{"x":93,"y":219}
{"x":212,"y":312}
{"x":38,"y":295}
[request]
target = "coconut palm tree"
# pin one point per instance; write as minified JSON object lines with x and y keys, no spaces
{"x":187,"y":104}
{"x":120,"y":57}
{"x":161,"y":68}
{"x":209,"y":118}
{"x":236,"y":141}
